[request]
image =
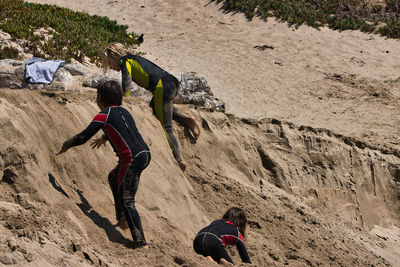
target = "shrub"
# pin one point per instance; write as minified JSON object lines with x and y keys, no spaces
{"x":9,"y":52}
{"x":393,"y":5}
{"x":392,"y":29}
{"x":70,"y":34}
{"x":337,"y":14}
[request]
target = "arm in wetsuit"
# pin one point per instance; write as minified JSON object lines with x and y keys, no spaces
{"x":242,"y":251}
{"x":84,"y":136}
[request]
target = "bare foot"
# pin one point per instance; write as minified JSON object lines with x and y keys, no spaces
{"x":194,"y":127}
{"x":225,"y":262}
{"x":141,"y":247}
{"x":210,"y":259}
{"x":123,"y":224}
{"x":183,"y":165}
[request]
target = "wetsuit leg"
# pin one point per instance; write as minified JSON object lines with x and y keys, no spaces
{"x":198,"y":245}
{"x":220,"y":253}
{"x":178,"y":116}
{"x":128,"y":188}
{"x":162,"y":105}
{"x":113,"y":182}
{"x":209,"y":245}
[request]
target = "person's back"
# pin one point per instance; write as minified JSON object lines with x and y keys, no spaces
{"x":225,"y":231}
{"x":120,"y":128}
{"x":143,"y":72}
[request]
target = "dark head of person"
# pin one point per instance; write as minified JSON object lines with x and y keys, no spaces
{"x":237,"y":217}
{"x":110,"y":93}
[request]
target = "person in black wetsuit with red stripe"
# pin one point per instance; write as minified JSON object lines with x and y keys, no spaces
{"x":230,"y":230}
{"x":133,"y":153}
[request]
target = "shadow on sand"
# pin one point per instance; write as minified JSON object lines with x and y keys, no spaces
{"x":56,"y":186}
{"x":113,"y":234}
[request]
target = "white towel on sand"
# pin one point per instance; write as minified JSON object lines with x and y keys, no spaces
{"x":38,"y":70}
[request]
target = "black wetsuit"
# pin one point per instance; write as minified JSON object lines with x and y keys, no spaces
{"x":134,"y":156}
{"x":162,"y":85}
{"x":211,"y":241}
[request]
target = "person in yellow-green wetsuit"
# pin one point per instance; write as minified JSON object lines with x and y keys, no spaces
{"x":159,"y":82}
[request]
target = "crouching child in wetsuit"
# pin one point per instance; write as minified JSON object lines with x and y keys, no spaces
{"x":230,"y":230}
{"x":160,"y":83}
{"x":133,"y":153}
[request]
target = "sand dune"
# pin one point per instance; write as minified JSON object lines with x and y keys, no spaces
{"x":311,"y":196}
{"x":291,"y":82}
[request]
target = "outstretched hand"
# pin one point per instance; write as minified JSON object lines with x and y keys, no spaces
{"x":63,"y":149}
{"x":98,"y":142}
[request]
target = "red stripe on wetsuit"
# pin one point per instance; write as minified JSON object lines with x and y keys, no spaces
{"x":100,"y":117}
{"x":123,"y":151}
{"x":228,"y":239}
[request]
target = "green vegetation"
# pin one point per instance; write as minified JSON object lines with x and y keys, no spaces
{"x":383,"y":18}
{"x":58,"y":33}
{"x":69,"y":34}
{"x":8,"y":52}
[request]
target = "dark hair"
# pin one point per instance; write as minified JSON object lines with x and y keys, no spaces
{"x":237,"y":217}
{"x":110,"y":93}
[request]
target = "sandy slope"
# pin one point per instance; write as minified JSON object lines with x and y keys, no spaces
{"x":65,"y":199}
{"x":295,"y":81}
{"x":307,"y":203}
